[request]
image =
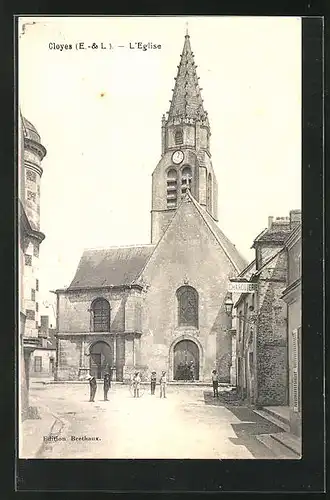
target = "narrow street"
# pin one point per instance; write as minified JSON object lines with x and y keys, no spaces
{"x":189,"y":423}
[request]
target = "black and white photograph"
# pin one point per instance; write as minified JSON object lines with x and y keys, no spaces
{"x":159,"y":171}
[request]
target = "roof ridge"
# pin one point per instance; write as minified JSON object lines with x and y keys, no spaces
{"x":268,"y":261}
{"x":117,"y":246}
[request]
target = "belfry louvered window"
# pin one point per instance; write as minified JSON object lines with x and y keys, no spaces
{"x":171,"y":193}
{"x":186,"y":179}
{"x":178,"y":136}
{"x":101,"y":315}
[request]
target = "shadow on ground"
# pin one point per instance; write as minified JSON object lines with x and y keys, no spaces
{"x":250,"y":425}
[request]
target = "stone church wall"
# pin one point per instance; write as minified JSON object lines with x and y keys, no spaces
{"x":187,"y":254}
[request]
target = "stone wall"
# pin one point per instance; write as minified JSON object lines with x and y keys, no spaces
{"x":69,"y":355}
{"x":187,"y":254}
{"x":272,"y":361}
{"x":75,"y":309}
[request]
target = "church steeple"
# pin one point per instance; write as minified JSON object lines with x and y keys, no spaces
{"x":186,"y":158}
{"x":187,"y":102}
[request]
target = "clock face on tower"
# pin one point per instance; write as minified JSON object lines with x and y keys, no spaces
{"x":177,"y":157}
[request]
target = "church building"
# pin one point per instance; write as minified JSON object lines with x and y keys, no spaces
{"x":159,"y":306}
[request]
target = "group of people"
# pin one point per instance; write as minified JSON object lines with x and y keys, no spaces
{"x":185,"y":371}
{"x":93,"y":386}
{"x":136,"y":383}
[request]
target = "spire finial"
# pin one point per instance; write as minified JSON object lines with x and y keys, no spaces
{"x":187,"y":34}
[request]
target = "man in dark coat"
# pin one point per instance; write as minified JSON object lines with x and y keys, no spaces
{"x":92,"y":388}
{"x":153,"y":382}
{"x":106,"y":386}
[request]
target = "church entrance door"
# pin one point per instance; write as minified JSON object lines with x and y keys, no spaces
{"x":100,"y":359}
{"x":186,"y":361}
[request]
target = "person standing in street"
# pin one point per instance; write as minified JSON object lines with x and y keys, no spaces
{"x":92,"y":388}
{"x":106,"y":386}
{"x":153,"y":382}
{"x":162,"y":382}
{"x":136,"y":384}
{"x":215,"y":383}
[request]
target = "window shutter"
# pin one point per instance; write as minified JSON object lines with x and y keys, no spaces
{"x":295,"y":379}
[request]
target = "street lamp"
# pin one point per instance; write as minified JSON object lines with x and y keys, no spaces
{"x":229,"y":304}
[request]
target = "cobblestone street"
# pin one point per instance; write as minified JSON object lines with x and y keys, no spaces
{"x":189,"y":423}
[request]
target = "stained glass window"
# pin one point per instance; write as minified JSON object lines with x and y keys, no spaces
{"x":101,"y":315}
{"x":187,"y":306}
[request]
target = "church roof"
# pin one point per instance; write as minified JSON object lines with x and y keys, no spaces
{"x":229,"y":248}
{"x":114,"y":266}
{"x":187,"y":102}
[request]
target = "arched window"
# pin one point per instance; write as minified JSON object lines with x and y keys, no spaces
{"x":178,"y":136}
{"x":187,"y":306}
{"x":209,"y":193}
{"x":101,"y":315}
{"x":186,"y":178}
{"x":171,"y":194}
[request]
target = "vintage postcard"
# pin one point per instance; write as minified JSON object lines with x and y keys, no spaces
{"x":160,"y":237}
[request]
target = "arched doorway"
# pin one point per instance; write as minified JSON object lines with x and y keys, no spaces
{"x":186,"y":360}
{"x":100,"y":359}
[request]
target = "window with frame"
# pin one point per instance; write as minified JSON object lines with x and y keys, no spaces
{"x":187,"y":306}
{"x":101,"y":315}
{"x":28,"y":260}
{"x":37,"y":363}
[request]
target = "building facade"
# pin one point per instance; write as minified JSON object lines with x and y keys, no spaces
{"x":262,"y":337}
{"x":292,"y":297}
{"x":43,"y":358}
{"x":159,"y":306}
{"x":30,"y":155}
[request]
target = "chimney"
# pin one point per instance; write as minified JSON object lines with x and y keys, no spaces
{"x":295,"y":218}
{"x":270,"y":221}
{"x":44,"y":326}
{"x":281,"y":224}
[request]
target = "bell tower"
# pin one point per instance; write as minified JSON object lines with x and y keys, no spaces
{"x":186,"y":159}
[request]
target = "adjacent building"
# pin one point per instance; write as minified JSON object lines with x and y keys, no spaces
{"x":30,"y":155}
{"x":263,"y":349}
{"x":43,"y":358}
{"x":159,"y":306}
{"x":292,"y":297}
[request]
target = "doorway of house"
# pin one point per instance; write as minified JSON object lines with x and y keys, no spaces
{"x":186,"y":361}
{"x":51,"y":366}
{"x":100,"y":359}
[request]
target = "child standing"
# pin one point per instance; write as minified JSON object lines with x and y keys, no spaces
{"x":215,"y":382}
{"x":163,"y":381}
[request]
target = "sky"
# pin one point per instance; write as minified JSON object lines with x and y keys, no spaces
{"x":99,"y":116}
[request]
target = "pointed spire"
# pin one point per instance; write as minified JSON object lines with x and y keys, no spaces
{"x":187,"y":103}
